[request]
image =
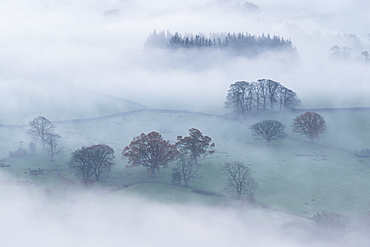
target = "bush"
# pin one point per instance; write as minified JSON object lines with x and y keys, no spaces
{"x":18,"y":153}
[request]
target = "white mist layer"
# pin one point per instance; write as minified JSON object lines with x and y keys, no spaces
{"x":88,"y":218}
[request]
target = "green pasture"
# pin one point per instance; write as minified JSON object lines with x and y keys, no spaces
{"x":294,"y":175}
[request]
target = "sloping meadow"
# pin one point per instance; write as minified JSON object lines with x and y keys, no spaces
{"x":294,"y":175}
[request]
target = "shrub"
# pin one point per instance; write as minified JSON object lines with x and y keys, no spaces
{"x":18,"y":153}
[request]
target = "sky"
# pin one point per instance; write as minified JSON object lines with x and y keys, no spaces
{"x":78,"y":44}
{"x":50,"y":48}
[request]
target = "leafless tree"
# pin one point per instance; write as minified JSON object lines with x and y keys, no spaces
{"x":310,"y":124}
{"x":269,"y":130}
{"x":185,"y":170}
{"x":239,"y":178}
{"x":40,"y":128}
{"x":238,"y":98}
{"x":51,"y":139}
{"x":287,"y":98}
{"x":272,"y":87}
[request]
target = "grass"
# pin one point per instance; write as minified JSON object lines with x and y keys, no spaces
{"x":294,"y":176}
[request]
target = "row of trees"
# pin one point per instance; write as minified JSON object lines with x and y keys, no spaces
{"x":238,"y":43}
{"x":344,"y":53}
{"x":264,"y":94}
{"x":148,"y":150}
{"x":153,"y":152}
{"x":310,"y":124}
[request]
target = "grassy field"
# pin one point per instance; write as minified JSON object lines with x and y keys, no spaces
{"x":294,"y":175}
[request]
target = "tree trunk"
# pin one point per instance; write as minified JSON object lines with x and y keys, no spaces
{"x":152,"y":171}
{"x":238,"y":195}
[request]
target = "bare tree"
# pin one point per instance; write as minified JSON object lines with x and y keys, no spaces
{"x":287,"y":98}
{"x":270,"y":130}
{"x":272,"y":88}
{"x":239,"y":178}
{"x":238,"y":97}
{"x":51,"y":139}
{"x":185,"y":171}
{"x":93,"y":160}
{"x":40,"y":128}
{"x":196,"y":145}
{"x":310,"y":124}
{"x":150,"y":151}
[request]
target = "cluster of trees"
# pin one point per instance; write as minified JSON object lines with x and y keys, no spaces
{"x":237,"y":43}
{"x":344,"y":53}
{"x":153,"y":152}
{"x":310,"y":124}
{"x":264,"y":94}
{"x":148,"y":150}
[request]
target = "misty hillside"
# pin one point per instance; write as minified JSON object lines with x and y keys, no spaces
{"x":108,"y":87}
{"x":58,"y":102}
{"x":282,"y":169}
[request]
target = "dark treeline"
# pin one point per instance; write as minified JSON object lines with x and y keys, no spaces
{"x":244,"y":97}
{"x":238,"y":43}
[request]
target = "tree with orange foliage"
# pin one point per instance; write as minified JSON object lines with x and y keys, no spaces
{"x":151,"y":151}
{"x":310,"y":124}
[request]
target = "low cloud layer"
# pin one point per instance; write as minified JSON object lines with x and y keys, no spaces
{"x":96,"y":219}
{"x":77,"y":44}
{"x":52,"y":53}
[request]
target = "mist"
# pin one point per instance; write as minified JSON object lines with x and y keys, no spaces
{"x":95,"y":218}
{"x":77,"y":44}
{"x":73,"y":60}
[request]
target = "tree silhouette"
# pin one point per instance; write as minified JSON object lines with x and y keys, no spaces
{"x":239,"y":178}
{"x":40,"y":129}
{"x":269,"y":130}
{"x":93,"y":160}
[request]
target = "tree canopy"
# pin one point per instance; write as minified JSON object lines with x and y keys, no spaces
{"x":269,"y":130}
{"x":244,"y":44}
{"x":245,"y":97}
{"x":310,"y":124}
{"x":93,"y":160}
{"x":196,"y":145}
{"x":150,"y":150}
